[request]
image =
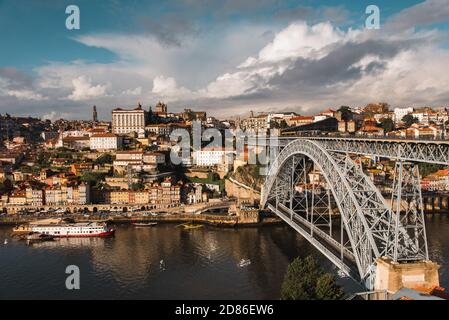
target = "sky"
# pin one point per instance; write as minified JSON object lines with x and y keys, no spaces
{"x":225,"y":57}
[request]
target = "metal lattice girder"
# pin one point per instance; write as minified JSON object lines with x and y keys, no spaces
{"x":365,"y":214}
{"x":406,"y":201}
{"x":320,"y":212}
{"x":408,"y":150}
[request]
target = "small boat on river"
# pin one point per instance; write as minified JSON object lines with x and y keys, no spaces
{"x":143,"y":224}
{"x":244,"y":263}
{"x":190,"y":226}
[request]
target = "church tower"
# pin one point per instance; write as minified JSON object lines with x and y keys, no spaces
{"x":94,"y":114}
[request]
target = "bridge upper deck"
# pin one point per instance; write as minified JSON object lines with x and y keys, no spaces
{"x":417,"y":150}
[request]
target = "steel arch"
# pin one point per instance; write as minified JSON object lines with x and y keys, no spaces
{"x":365,"y":214}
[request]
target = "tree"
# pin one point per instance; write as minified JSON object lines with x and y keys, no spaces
{"x":427,"y":168}
{"x":408,"y":119}
{"x":93,"y":178}
{"x":346,"y":113}
{"x":5,"y":186}
{"x":274,"y":124}
{"x":283,"y":124}
{"x":306,"y":280}
{"x":328,"y":289}
{"x":387,"y":124}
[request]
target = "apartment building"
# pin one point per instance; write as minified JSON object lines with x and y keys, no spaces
{"x":66,"y":195}
{"x":105,"y":141}
{"x":155,"y":158}
{"x":128,"y":157}
{"x":208,"y":157}
{"x":165,"y":194}
{"x":256,"y":123}
{"x":300,"y":120}
{"x":129,"y":197}
{"x":34,"y":197}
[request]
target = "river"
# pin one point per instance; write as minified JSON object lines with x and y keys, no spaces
{"x":196,"y":264}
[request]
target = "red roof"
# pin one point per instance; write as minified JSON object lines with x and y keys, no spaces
{"x":104,"y":135}
{"x":301,"y":118}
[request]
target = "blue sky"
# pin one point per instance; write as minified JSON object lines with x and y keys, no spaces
{"x":221,"y":56}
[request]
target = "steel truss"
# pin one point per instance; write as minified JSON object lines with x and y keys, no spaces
{"x":408,"y":150}
{"x":368,"y":225}
{"x":406,"y":201}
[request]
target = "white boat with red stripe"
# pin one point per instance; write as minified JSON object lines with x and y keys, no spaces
{"x":81,"y":229}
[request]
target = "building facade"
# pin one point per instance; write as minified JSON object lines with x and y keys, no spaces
{"x":128,"y":121}
{"x":105,"y":141}
{"x":66,"y":195}
{"x":208,"y":157}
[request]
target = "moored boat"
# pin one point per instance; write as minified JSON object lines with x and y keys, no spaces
{"x":70,"y":229}
{"x":144,"y":224}
{"x":190,"y":225}
{"x":36,"y":236}
{"x":21,"y":229}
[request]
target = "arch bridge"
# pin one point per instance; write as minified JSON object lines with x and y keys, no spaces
{"x":310,"y":181}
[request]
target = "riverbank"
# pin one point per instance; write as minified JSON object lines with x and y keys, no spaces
{"x":208,"y":219}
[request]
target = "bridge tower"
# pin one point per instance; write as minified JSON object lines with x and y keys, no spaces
{"x":407,"y":263}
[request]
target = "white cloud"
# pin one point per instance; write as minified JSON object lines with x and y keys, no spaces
{"x":53,"y":116}
{"x":302,"y":67}
{"x":25,"y":95}
{"x":132,"y":92}
{"x":83,"y":89}
{"x":299,"y":40}
{"x":167,"y":87}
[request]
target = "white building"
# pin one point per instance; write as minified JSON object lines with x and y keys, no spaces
{"x":105,"y":141}
{"x":131,"y":157}
{"x":399,"y":113}
{"x":34,"y":197}
{"x":272,"y":116}
{"x":159,"y":129}
{"x":154,"y":158}
{"x":127,"y":121}
{"x":212,"y":156}
{"x":256,"y":123}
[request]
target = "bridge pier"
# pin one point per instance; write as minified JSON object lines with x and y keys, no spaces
{"x":392,"y":276}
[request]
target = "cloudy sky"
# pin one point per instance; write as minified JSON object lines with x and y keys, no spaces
{"x":225,"y":57}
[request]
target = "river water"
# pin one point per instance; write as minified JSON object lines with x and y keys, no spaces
{"x":196,"y":264}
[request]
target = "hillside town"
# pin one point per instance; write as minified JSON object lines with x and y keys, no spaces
{"x":125,"y":164}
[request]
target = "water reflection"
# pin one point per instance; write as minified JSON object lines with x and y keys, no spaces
{"x":165,"y":262}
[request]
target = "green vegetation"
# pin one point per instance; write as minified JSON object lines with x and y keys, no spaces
{"x":346,"y":113}
{"x":278,"y":125}
{"x":5,"y":186}
{"x":249,"y":175}
{"x":387,"y":125}
{"x":427,"y":168}
{"x":43,"y":160}
{"x":306,"y":280}
{"x":408,"y":119}
{"x":93,"y":178}
{"x":137,"y":186}
{"x":212,"y":178}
